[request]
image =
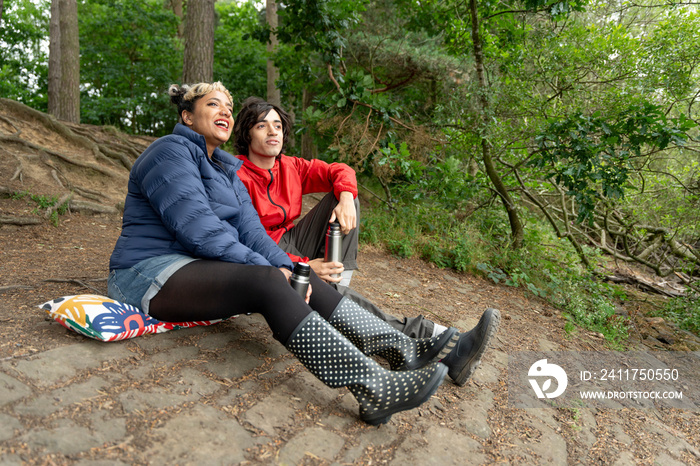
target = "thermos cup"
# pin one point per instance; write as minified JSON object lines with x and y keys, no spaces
{"x":300,"y":278}
{"x":334,"y":245}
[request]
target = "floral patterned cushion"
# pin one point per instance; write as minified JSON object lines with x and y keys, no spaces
{"x":105,"y":319}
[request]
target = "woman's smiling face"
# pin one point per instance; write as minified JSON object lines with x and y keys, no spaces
{"x":212,"y":118}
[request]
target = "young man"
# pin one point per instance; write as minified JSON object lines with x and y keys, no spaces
{"x":276,"y":184}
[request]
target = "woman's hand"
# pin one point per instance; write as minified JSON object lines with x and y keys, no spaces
{"x":345,"y":212}
{"x":288,"y":274}
{"x":324,"y":270}
{"x":308,"y":294}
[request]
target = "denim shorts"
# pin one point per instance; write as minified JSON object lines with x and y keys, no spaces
{"x":140,"y":283}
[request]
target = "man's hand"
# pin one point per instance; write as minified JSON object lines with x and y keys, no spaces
{"x":324,"y":270}
{"x":345,"y":213}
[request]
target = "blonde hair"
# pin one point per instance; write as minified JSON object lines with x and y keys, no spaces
{"x":186,"y":95}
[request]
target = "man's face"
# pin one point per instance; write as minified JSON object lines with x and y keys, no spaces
{"x":266,"y":136}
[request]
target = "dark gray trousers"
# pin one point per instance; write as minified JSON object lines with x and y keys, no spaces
{"x":307,"y":239}
{"x":414,"y":327}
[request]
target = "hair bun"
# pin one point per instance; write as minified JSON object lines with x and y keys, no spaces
{"x":177,"y":92}
{"x":176,"y":89}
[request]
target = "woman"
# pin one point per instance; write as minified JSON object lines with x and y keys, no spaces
{"x":192,"y":248}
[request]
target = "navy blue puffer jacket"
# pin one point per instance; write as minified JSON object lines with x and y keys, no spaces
{"x":181,"y":202}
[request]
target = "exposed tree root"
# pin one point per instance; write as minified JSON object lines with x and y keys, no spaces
{"x":14,"y":287}
{"x":95,"y":196}
{"x":66,"y":158}
{"x":17,"y":175}
{"x":87,"y":165}
{"x":75,"y":281}
{"x":126,"y":154}
{"x":19,"y":221}
{"x":91,"y":207}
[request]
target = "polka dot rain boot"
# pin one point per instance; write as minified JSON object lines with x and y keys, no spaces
{"x":373,"y":336}
{"x":335,"y":361}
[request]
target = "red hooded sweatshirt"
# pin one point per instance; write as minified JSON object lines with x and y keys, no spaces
{"x":277,"y":193}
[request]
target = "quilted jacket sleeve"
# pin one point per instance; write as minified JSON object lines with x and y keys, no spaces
{"x":172,"y":182}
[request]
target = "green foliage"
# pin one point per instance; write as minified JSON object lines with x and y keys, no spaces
{"x":546,"y":266}
{"x":358,"y":86}
{"x":495,"y":274}
{"x":432,"y":234}
{"x":24,"y":53}
{"x":129,"y":55}
{"x":685,"y":312}
{"x":590,"y":305}
{"x":240,"y":62}
{"x":318,"y":25}
{"x":42,"y":203}
{"x":312,"y":34}
{"x":592,"y":156}
{"x":448,"y":182}
{"x":398,"y":160}
{"x":673,"y":67}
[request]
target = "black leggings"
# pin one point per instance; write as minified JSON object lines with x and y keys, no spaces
{"x":208,"y":290}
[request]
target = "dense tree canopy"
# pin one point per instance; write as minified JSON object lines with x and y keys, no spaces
{"x":24,"y":51}
{"x":579,"y":113}
{"x":130,"y":54}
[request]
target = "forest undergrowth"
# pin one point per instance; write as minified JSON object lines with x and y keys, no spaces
{"x":547,"y":267}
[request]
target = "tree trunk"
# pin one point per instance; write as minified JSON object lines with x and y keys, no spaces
{"x":176,"y":7}
{"x":273,"y":74}
{"x":54,"y":58}
{"x":67,"y":96}
{"x":1,"y":11}
{"x":198,"y":62}
{"x":516,"y":227}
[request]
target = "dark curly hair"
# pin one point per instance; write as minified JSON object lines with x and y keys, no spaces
{"x":253,"y":110}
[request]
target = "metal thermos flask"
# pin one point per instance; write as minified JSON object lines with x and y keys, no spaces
{"x":300,"y":278}
{"x":334,"y":245}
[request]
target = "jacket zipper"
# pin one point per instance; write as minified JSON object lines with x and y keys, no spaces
{"x":269,"y":196}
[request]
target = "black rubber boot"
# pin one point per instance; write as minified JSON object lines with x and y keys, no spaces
{"x":373,"y":336}
{"x":465,"y":358}
{"x":338,"y":363}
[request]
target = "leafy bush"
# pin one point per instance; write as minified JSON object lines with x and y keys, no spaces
{"x":546,"y":266}
{"x":592,"y":156}
{"x":590,"y":305}
{"x":429,"y":233}
{"x":683,"y":311}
